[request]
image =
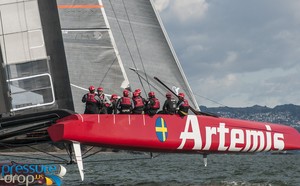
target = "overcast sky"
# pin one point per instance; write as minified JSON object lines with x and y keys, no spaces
{"x":237,"y":53}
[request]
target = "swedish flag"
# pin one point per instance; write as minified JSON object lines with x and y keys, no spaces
{"x":161,"y":129}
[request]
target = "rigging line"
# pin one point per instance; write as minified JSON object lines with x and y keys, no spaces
{"x":156,"y":155}
{"x":66,"y":148}
{"x":155,"y":87}
{"x":211,"y":100}
{"x":136,"y":44}
{"x":92,"y":154}
{"x":196,"y":112}
{"x":108,"y":71}
{"x":41,"y":163}
{"x":87,"y":151}
{"x":161,"y":86}
{"x":28,"y":157}
{"x":46,"y":153}
{"x":125,"y":159}
{"x":113,"y":10}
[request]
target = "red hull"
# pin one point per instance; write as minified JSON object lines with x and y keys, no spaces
{"x":171,"y":133}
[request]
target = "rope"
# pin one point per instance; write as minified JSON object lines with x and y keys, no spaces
{"x":91,"y":154}
{"x":126,"y":43}
{"x":122,"y":159}
{"x":126,"y":159}
{"x":11,"y":145}
{"x":47,"y":153}
{"x":27,"y":157}
{"x":107,"y":71}
{"x":87,"y":151}
{"x":155,"y":87}
{"x":138,"y":50}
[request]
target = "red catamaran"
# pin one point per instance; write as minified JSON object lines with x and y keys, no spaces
{"x":171,"y":133}
{"x":54,"y":50}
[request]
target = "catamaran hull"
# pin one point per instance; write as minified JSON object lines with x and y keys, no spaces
{"x":171,"y":133}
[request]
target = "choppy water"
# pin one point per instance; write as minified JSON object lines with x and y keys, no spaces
{"x":183,"y":169}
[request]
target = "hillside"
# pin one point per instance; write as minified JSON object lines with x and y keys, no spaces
{"x":288,"y":114}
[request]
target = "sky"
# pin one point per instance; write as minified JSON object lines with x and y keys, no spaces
{"x":237,"y":53}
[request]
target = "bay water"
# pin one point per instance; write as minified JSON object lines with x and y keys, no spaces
{"x":182,"y":169}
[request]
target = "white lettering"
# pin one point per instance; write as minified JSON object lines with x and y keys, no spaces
{"x":195,"y":135}
{"x":222,"y":130}
{"x":252,"y":139}
{"x":278,"y":141}
{"x":222,"y":138}
{"x":269,"y":139}
{"x":237,"y":137}
{"x":209,"y":131}
{"x":19,"y":179}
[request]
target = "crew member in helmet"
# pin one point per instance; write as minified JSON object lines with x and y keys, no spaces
{"x":92,"y":101}
{"x":104,"y":101}
{"x":170,"y":104}
{"x":124,"y":104}
{"x":182,"y":105}
{"x":140,"y":95}
{"x":152,"y":105}
{"x":138,"y":103}
{"x":112,"y":109}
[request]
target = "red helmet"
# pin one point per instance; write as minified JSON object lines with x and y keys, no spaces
{"x":168,"y":95}
{"x":135,"y":94}
{"x":114,"y":96}
{"x":125,"y":93}
{"x":181,"y":95}
{"x":151,"y":94}
{"x":100,"y":89}
{"x":138,"y":91}
{"x":91,"y":88}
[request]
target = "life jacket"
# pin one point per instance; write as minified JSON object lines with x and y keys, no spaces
{"x":156,"y":104}
{"x":185,"y":103}
{"x":138,"y":102}
{"x":124,"y":105}
{"x":184,"y":108}
{"x":125,"y":102}
{"x":91,"y":98}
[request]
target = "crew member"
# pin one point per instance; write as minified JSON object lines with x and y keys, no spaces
{"x":104,"y":101}
{"x":182,"y":105}
{"x":139,"y":94}
{"x":112,"y":109}
{"x":92,"y":101}
{"x":152,"y":105}
{"x":170,"y":104}
{"x":124,"y":104}
{"x":138,"y":103}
